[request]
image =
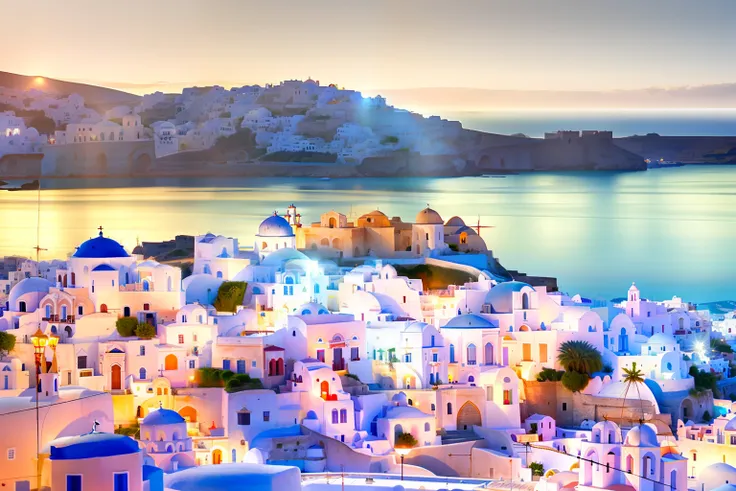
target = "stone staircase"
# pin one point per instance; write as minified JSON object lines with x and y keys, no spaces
{"x":458,"y":436}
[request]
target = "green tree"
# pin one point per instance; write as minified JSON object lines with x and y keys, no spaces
{"x":405,"y":440}
{"x":230,"y":296}
{"x":44,"y":125}
{"x":537,"y":469}
{"x":633,"y":376}
{"x":706,"y":417}
{"x":242,"y":381}
{"x":580,"y":356}
{"x":7,"y":343}
{"x":145,"y":331}
{"x":575,"y":381}
{"x":126,"y":326}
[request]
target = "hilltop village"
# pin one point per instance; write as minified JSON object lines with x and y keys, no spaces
{"x":309,"y":354}
{"x":266,"y":130}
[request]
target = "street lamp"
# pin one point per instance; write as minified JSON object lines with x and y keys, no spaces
{"x":39,"y":340}
{"x":402,"y":451}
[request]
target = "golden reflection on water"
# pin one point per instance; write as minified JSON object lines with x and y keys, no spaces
{"x":670,"y":230}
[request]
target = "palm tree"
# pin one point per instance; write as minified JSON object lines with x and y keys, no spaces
{"x":580,"y":356}
{"x":633,"y":376}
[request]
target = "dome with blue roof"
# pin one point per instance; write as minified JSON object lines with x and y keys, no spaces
{"x":29,"y":285}
{"x":469,"y":321}
{"x":501,"y":296}
{"x":312,"y":308}
{"x":104,"y":267}
{"x":100,"y":247}
{"x":163,"y":416}
{"x":275,"y":226}
{"x":92,"y":445}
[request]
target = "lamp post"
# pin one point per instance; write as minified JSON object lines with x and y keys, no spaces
{"x":402,"y":451}
{"x":39,"y":340}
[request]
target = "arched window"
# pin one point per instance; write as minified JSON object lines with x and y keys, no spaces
{"x":426,"y":426}
{"x":171,"y":362}
{"x":219,"y":274}
{"x":48,"y":311}
{"x":449,"y":408}
{"x":112,"y":136}
{"x":21,"y":306}
{"x":142,"y":374}
{"x":74,"y":279}
{"x":316,"y":288}
{"x":452,"y":353}
{"x":343,"y":416}
{"x":103,"y":308}
{"x":335,"y":417}
{"x":525,"y":301}
{"x":471,"y":354}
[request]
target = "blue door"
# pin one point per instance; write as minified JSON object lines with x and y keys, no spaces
{"x":241,"y":366}
{"x":73,"y":483}
{"x":121,"y":482}
{"x":226,"y":364}
{"x":7,"y":382}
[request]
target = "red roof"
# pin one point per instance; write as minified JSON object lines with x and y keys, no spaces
{"x":273,"y":348}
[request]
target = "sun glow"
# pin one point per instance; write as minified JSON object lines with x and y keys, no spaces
{"x":39,"y":81}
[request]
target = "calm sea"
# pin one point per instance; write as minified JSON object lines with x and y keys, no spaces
{"x":673,"y":231}
{"x":623,"y":122}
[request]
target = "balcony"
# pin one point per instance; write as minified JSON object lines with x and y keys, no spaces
{"x":69,"y":319}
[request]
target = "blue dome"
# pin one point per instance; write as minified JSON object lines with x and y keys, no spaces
{"x":29,"y":285}
{"x":501,"y":296}
{"x":275,"y":226}
{"x":100,"y":247}
{"x":469,"y":321}
{"x":104,"y":267}
{"x":163,"y":417}
{"x":92,"y":445}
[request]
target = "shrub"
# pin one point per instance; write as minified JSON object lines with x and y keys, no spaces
{"x":352,"y":376}
{"x":575,"y":381}
{"x":242,"y":381}
{"x":227,"y":375}
{"x":537,"y":468}
{"x":533,"y":428}
{"x":225,"y":114}
{"x":389,"y":140}
{"x":550,"y":375}
{"x":453,"y":247}
{"x":706,"y":417}
{"x":209,"y":377}
{"x":405,"y":440}
{"x":7,"y":343}
{"x":230,"y":296}
{"x":145,"y":331}
{"x":126,"y":326}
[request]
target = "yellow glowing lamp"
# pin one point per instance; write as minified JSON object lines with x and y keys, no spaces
{"x":39,"y":340}
{"x":403,"y":451}
{"x":53,"y":341}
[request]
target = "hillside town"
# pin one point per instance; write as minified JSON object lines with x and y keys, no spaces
{"x":362,"y":353}
{"x":285,"y":120}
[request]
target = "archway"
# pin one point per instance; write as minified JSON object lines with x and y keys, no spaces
{"x":100,"y":165}
{"x":217,"y":456}
{"x":325,"y":242}
{"x":525,"y":301}
{"x":141,"y":164}
{"x":115,"y":377}
{"x":171,"y":362}
{"x":336,"y":244}
{"x":333,"y":222}
{"x":468,"y":416}
{"x":188,"y":413}
{"x":103,"y":308}
{"x":686,"y":409}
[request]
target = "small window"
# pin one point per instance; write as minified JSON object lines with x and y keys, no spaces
{"x":564,"y":406}
{"x":266,"y":416}
{"x":181,"y":339}
{"x":192,"y":364}
{"x":11,"y":454}
{"x":244,"y":418}
{"x":142,"y":350}
{"x":433,"y":407}
{"x":121,"y":481}
{"x":73,"y":483}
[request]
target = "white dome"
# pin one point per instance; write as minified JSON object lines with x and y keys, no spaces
{"x":716,"y":475}
{"x":312,"y":308}
{"x":731,"y":425}
{"x":661,"y":338}
{"x":642,"y":436}
{"x":617,"y":390}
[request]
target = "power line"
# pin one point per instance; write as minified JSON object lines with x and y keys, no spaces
{"x":608,"y":466}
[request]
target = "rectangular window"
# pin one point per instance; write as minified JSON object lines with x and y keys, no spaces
{"x":343,"y":416}
{"x":526,"y":349}
{"x":226,"y":364}
{"x":142,"y":351}
{"x":191,"y":364}
{"x":266,"y":416}
{"x":542,"y":353}
{"x":11,"y":453}
{"x":435,"y":357}
{"x":355,"y":354}
{"x":80,"y":310}
{"x":253,"y":364}
{"x":121,"y":481}
{"x":244,"y":419}
{"x":407,"y":357}
{"x":194,"y":337}
{"x":564,"y":406}
{"x":81,"y":362}
{"x":181,"y":339}
{"x":73,"y":483}
{"x":241,"y":366}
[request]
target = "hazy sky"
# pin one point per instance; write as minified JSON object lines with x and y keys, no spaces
{"x":141,"y":45}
